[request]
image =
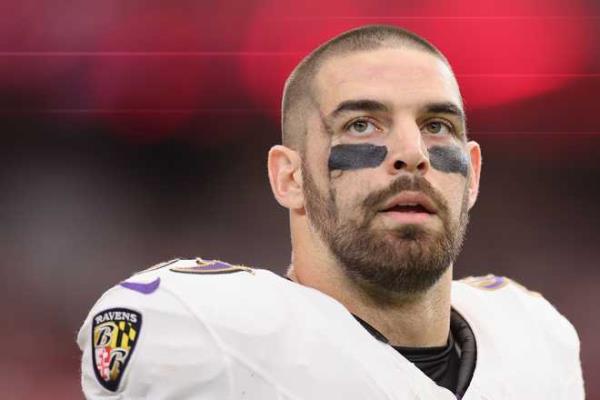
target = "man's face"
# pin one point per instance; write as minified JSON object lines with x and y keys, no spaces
{"x":387,"y":168}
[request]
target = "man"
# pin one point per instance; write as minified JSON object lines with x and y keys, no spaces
{"x":378,"y":175}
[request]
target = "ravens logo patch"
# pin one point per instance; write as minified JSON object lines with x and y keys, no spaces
{"x":115,"y":333}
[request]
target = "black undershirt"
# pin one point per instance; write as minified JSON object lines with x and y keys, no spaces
{"x":449,"y":366}
{"x":440,"y":364}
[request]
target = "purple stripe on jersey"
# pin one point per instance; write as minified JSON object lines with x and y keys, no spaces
{"x":144,"y":288}
{"x":213,"y":266}
{"x":498,"y":281}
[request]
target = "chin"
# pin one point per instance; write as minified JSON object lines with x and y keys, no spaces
{"x":413,"y":233}
{"x":407,"y":261}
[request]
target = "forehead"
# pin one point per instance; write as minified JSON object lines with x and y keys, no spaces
{"x":403,"y":77}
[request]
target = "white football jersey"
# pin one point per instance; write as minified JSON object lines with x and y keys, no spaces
{"x":206,"y":330}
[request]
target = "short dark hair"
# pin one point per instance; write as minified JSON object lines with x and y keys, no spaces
{"x":298,"y":86}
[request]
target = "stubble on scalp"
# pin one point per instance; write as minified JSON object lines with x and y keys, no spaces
{"x":300,"y":96}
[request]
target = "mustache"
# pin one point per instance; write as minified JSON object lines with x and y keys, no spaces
{"x":413,"y":183}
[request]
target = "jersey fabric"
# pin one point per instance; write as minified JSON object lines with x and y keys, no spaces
{"x":446,"y":365}
{"x":195,"y":329}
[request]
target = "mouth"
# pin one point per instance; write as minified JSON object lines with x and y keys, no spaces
{"x":409,"y":207}
{"x":410,"y":202}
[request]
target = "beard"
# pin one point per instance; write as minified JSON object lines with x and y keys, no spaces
{"x":405,"y":261}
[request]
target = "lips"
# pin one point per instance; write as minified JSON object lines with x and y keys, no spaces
{"x":409,"y":208}
{"x":410,"y":202}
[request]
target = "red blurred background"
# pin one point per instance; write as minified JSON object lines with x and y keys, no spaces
{"x":134,"y":132}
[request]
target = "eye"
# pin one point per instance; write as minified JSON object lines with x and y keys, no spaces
{"x":361,"y":127}
{"x":438,"y":128}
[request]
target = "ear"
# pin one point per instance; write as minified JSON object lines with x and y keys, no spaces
{"x":285,"y":176}
{"x":474,"y":152}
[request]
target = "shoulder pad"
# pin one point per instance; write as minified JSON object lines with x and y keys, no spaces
{"x":210,"y":267}
{"x":494,"y":282}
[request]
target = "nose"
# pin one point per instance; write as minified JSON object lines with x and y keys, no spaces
{"x":407,"y":151}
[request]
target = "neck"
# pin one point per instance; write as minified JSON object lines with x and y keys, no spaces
{"x":421,"y":320}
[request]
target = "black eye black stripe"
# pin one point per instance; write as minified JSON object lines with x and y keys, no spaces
{"x":344,"y":157}
{"x":356,"y":156}
{"x":449,"y":159}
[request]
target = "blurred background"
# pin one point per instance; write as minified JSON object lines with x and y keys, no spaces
{"x":136,"y":131}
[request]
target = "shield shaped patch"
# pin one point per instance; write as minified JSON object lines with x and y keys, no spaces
{"x":115,"y":333}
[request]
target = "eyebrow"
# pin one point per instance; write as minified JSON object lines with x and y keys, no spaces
{"x":445,"y":108}
{"x":359,"y":105}
{"x":377,"y":106}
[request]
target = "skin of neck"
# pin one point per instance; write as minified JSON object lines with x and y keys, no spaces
{"x":421,"y":320}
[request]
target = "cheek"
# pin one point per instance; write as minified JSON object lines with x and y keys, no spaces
{"x":350,"y":191}
{"x":455,"y":191}
{"x":451,"y":187}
